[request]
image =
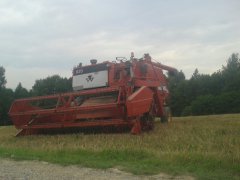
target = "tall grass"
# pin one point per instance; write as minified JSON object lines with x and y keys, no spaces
{"x":207,"y":147}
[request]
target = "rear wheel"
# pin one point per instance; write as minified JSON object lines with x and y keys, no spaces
{"x":147,"y":119}
{"x":147,"y":122}
{"x":167,"y":117}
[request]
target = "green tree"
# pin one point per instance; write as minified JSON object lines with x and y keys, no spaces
{"x":195,"y":74}
{"x":2,"y":77}
{"x":177,"y":86}
{"x":203,"y":105}
{"x":231,"y":73}
{"x":51,"y":85}
{"x":208,"y":94}
{"x":21,"y":92}
{"x":6,"y":99}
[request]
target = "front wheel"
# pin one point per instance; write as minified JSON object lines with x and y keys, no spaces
{"x":167,"y":117}
{"x":147,"y":122}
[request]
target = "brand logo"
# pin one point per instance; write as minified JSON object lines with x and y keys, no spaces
{"x":79,"y":71}
{"x":90,"y":78}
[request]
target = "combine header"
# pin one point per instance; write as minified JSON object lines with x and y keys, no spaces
{"x":123,"y":93}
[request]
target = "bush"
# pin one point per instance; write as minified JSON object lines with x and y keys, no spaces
{"x":228,"y":102}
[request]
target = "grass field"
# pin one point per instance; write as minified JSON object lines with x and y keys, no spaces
{"x":205,"y":147}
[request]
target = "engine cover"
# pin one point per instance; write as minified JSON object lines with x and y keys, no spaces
{"x":88,"y":77}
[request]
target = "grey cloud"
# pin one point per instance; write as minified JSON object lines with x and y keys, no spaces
{"x":57,"y":35}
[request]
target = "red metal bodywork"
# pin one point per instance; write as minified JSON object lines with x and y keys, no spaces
{"x":136,"y":89}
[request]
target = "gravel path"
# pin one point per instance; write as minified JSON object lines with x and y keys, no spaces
{"x":37,"y":170}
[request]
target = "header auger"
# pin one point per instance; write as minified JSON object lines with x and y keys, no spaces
{"x":123,"y":93}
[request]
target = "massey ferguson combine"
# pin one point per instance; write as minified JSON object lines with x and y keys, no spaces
{"x":123,"y":93}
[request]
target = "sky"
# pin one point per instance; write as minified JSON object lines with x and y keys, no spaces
{"x":41,"y":38}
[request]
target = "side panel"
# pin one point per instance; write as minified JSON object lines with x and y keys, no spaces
{"x":90,"y":80}
{"x":139,"y":102}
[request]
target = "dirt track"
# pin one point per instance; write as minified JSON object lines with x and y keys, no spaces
{"x":28,"y":170}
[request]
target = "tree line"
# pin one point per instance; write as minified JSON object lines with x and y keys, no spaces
{"x":202,"y":94}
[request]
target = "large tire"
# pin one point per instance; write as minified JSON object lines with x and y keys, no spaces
{"x":147,"y":122}
{"x":167,"y":117}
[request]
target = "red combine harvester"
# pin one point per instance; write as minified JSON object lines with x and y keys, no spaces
{"x":123,"y":93}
